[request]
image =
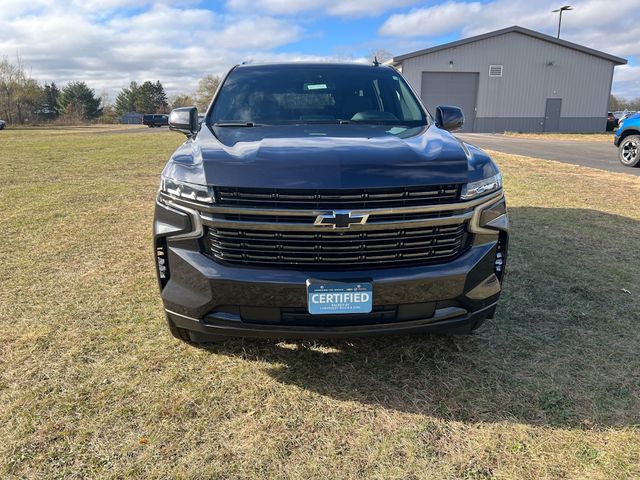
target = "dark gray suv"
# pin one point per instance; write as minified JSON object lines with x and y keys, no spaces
{"x":323,"y":200}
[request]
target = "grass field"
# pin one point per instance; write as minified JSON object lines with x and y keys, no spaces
{"x":93,"y":386}
{"x":581,"y":137}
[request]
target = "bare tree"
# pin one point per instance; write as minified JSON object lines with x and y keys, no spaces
{"x":380,"y":54}
{"x":181,"y":100}
{"x":618,"y":103}
{"x":207,"y":87}
{"x":21,"y":97}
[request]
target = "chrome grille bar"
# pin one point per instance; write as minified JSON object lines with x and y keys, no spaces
{"x":310,"y":227}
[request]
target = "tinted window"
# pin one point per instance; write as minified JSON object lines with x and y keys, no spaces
{"x":316,"y":94}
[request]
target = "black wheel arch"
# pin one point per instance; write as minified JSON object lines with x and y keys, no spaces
{"x":626,"y":133}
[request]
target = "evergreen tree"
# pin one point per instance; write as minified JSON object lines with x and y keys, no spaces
{"x":50,"y":108}
{"x":160,"y":98}
{"x":126,"y":99}
{"x":144,"y":100}
{"x":151,"y":98}
{"x":78,"y":101}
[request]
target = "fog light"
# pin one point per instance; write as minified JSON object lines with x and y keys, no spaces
{"x":489,"y":287}
{"x":161,"y":263}
{"x":501,"y":255}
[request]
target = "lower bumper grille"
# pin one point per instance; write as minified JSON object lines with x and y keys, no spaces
{"x":358,"y":249}
{"x":300,"y":317}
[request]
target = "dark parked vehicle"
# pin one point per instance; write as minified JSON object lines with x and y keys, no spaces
{"x":3,"y":124}
{"x":156,"y":120}
{"x":323,"y":200}
{"x":612,"y":122}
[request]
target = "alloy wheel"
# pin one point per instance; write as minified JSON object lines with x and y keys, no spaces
{"x":630,"y":151}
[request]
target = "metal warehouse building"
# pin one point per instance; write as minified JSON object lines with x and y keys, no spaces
{"x":515,"y":79}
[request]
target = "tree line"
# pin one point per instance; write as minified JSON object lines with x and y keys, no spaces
{"x":620,"y":104}
{"x":24,"y":100}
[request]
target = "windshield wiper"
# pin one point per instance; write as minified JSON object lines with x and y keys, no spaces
{"x":317,"y":122}
{"x":390,"y":123}
{"x":236,"y":124}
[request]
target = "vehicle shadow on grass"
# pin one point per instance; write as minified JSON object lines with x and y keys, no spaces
{"x":562,"y":350}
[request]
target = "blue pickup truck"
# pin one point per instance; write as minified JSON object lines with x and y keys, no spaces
{"x":627,"y":139}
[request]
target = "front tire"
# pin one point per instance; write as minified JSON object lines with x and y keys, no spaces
{"x":177,"y":332}
{"x":629,"y":151}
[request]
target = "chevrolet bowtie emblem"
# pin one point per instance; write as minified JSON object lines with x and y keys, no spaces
{"x":341,"y":219}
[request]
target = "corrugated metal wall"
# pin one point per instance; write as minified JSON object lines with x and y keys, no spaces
{"x":534,"y":70}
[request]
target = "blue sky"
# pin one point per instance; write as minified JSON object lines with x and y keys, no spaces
{"x":108,"y":43}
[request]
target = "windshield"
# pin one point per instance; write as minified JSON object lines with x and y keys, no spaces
{"x":283,"y":94}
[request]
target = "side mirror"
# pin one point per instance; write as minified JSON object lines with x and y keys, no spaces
{"x":449,"y":118}
{"x":184,"y":119}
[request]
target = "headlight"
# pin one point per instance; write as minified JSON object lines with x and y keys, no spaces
{"x":482,"y":187}
{"x":188,"y":191}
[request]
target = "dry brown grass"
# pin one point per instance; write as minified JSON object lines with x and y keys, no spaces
{"x":576,"y":137}
{"x":67,"y":129}
{"x":92,"y":385}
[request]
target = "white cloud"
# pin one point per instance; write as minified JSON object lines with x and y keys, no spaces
{"x":97,"y":43}
{"x":589,"y":17}
{"x":626,"y":81}
{"x":254,"y":33}
{"x":366,"y":7}
{"x":342,"y":8}
{"x":431,"y":21}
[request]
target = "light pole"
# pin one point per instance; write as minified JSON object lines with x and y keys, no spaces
{"x":561,"y":9}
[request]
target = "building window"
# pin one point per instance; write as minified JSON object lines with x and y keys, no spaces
{"x":495,"y":70}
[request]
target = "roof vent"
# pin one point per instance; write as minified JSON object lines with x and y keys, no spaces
{"x":495,"y":70}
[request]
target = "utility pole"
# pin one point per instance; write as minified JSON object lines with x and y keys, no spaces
{"x":562,"y":9}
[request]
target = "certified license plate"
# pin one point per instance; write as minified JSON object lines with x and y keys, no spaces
{"x":327,"y":298}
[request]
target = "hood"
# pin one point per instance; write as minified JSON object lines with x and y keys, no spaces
{"x":327,"y":156}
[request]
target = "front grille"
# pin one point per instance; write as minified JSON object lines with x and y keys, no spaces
{"x":337,"y":199}
{"x":359,"y":249}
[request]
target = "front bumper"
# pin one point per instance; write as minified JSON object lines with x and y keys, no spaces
{"x":208,"y":297}
{"x":616,"y":140}
{"x":445,"y":320}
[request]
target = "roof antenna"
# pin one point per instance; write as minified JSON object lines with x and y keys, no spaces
{"x":375,"y":61}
